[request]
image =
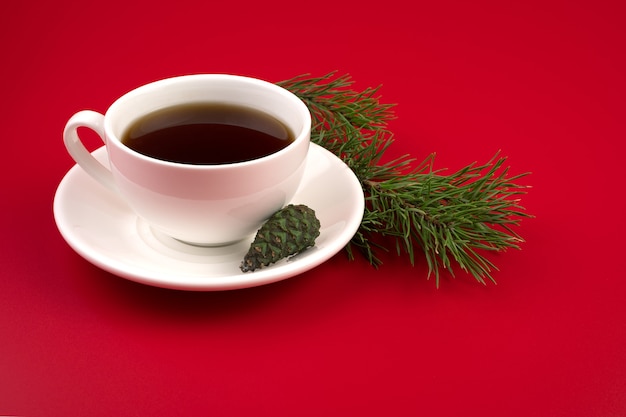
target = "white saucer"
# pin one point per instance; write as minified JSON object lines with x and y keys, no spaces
{"x":101,"y":228}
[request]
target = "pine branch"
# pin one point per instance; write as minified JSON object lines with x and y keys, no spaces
{"x":456,"y":218}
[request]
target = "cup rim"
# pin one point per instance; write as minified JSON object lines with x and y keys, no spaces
{"x":299,"y":137}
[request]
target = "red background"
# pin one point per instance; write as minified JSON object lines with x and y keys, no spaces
{"x":543,"y":81}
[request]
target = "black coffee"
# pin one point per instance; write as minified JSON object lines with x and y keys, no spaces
{"x":207,"y":133}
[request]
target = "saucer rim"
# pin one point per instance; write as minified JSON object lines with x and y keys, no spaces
{"x":273,"y":273}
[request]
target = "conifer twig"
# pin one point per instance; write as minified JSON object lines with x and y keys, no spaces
{"x":456,"y":218}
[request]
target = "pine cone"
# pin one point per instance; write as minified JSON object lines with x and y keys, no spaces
{"x":287,"y":232}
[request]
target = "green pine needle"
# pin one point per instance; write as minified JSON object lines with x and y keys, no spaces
{"x":453,"y":219}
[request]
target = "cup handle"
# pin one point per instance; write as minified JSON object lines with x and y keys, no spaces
{"x":94,"y":121}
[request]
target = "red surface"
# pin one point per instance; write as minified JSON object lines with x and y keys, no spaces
{"x":542,"y":81}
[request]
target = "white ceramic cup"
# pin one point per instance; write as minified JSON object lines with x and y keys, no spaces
{"x":197,"y":204}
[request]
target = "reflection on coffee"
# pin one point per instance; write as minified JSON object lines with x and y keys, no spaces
{"x":207,"y":133}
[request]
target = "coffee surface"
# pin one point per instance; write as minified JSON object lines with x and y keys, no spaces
{"x":207,"y":133}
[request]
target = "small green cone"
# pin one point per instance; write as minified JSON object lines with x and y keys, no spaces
{"x":287,"y":232}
